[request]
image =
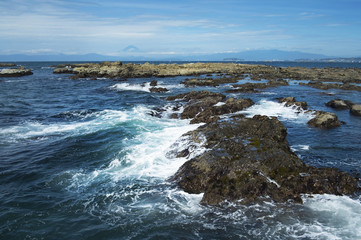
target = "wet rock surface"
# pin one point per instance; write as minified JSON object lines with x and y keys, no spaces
{"x":207,"y":106}
{"x":339,"y":104}
{"x":249,"y":159}
{"x":356,"y":110}
{"x":324,"y":120}
{"x":15,"y":72}
{"x":327,"y":86}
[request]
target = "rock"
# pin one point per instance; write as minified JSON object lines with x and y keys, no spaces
{"x":174,"y":116}
{"x":246,"y":87}
{"x":230,"y":70}
{"x":158,"y":89}
{"x":7,"y":65}
{"x":211,"y":114}
{"x":327,"y":86}
{"x":15,"y":72}
{"x":200,"y":82}
{"x":63,"y":70}
{"x":356,"y":110}
{"x":291,"y":101}
{"x":250,"y":159}
{"x":324,"y":120}
{"x":154,"y":83}
{"x":202,"y":106}
{"x":340,"y":104}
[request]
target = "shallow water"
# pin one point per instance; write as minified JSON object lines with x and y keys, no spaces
{"x":84,"y":159}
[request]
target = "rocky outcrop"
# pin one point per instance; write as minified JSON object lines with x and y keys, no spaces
{"x":246,"y":88}
{"x":158,"y":89}
{"x":324,"y":120}
{"x":340,"y":104}
{"x":15,"y":72}
{"x":250,"y":159}
{"x":207,"y":106}
{"x":291,"y":101}
{"x":7,"y":65}
{"x":63,"y":70}
{"x":356,"y":110}
{"x":211,"y":82}
{"x":327,"y":86}
{"x":214,"y":112}
{"x":234,"y":71}
{"x":253,"y":87}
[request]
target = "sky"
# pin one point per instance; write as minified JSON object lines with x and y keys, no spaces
{"x":166,"y":27}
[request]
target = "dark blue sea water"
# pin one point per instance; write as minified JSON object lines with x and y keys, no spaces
{"x":84,"y":159}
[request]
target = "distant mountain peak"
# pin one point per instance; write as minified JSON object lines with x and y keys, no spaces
{"x":131,"y":48}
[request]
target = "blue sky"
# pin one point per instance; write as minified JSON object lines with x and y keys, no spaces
{"x":179,"y":27}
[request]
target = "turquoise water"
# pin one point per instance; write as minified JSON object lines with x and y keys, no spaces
{"x":85,"y":159}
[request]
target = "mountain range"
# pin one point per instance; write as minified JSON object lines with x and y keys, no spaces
{"x":250,"y":55}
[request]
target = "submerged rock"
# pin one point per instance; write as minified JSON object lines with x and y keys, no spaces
{"x":324,"y":120}
{"x":250,"y":159}
{"x":15,"y":72}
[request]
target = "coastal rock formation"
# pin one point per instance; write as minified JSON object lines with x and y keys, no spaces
{"x":324,"y":120}
{"x":212,"y":82}
{"x":253,"y":87}
{"x":291,"y":101}
{"x":15,"y":72}
{"x":255,"y":72}
{"x":207,"y":106}
{"x":7,"y":65}
{"x":356,"y":110}
{"x":327,"y":86}
{"x":249,"y":159}
{"x":340,"y":104}
{"x":212,"y":113}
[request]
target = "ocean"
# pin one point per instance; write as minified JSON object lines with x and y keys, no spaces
{"x":87,"y":159}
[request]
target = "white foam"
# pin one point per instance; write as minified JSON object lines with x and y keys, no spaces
{"x":219,"y":104}
{"x":279,"y":110}
{"x":300,"y":147}
{"x":338,"y":217}
{"x":132,"y":87}
{"x":145,"y":158}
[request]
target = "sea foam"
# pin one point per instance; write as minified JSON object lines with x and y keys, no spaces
{"x":274,"y":109}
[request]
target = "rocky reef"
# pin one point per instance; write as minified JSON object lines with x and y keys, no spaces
{"x":15,"y":72}
{"x":7,"y":64}
{"x":249,"y":159}
{"x":231,"y":72}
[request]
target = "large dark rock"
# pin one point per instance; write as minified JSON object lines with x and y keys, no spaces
{"x":250,"y":159}
{"x":324,"y":120}
{"x":340,"y":104}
